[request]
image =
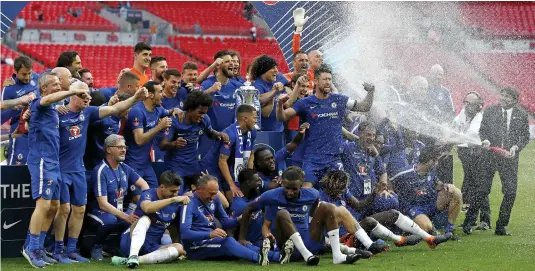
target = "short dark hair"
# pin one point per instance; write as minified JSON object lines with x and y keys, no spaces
{"x":222,"y":53}
{"x":429,"y":153}
{"x":324,"y":68}
{"x":257,"y":152}
{"x":123,"y":96}
{"x":366,"y":124}
{"x":189,"y":66}
{"x":140,"y":46}
{"x":22,"y":61}
{"x":66,"y":59}
{"x":245,"y":175}
{"x":82,"y":71}
{"x":97,"y":98}
{"x":235,"y":53}
{"x":244,"y":108}
{"x":196,"y":99}
{"x":298,"y":52}
{"x":293,"y":173}
{"x":171,"y":72}
{"x":150,"y":86}
{"x":128,"y":76}
{"x":513,"y":92}
{"x":156,"y":59}
{"x":296,"y":76}
{"x":169,"y":178}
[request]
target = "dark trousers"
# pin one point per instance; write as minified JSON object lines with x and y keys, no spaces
{"x":19,"y":33}
{"x":445,"y":169}
{"x":471,"y":161}
{"x":508,"y":170}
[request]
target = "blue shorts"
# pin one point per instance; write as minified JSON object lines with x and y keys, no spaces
{"x":45,"y":180}
{"x":17,"y":151}
{"x":103,"y":219}
{"x":73,"y":188}
{"x":314,"y":171}
{"x":148,"y":175}
{"x":429,"y":210}
{"x":147,"y":247}
{"x":313,"y":246}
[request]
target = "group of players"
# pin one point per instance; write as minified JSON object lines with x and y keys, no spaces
{"x":227,"y":199}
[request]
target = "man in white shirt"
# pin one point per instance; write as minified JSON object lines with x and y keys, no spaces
{"x":468,"y":122}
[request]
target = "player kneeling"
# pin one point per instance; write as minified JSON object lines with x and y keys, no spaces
{"x":157,"y":209}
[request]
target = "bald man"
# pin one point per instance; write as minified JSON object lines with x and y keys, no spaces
{"x":441,"y":96}
{"x":315,"y":59}
{"x":73,"y":185}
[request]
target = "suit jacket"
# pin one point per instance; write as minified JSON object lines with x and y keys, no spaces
{"x":491,"y":128}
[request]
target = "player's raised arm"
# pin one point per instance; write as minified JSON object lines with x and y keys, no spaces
{"x":284,"y":114}
{"x":366,"y":104}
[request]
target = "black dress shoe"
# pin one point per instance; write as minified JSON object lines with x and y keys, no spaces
{"x":502,"y":232}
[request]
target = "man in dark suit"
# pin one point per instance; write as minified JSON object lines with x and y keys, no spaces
{"x":506,"y":126}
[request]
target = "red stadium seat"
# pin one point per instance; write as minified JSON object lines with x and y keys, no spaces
{"x":104,"y":61}
{"x":88,"y":19}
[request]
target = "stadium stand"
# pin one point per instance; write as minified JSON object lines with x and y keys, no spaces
{"x":104,"y":61}
{"x":87,"y":20}
{"x":205,"y":48}
{"x":509,"y":69}
{"x":183,"y":16}
{"x":503,"y":19}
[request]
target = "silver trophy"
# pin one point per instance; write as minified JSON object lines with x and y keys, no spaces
{"x":248,"y":94}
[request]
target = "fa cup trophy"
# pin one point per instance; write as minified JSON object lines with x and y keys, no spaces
{"x":248,"y":94}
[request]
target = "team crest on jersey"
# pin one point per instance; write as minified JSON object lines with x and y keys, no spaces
{"x":136,"y":121}
{"x":333,"y":105}
{"x":173,"y":215}
{"x":212,"y":205}
{"x":82,"y":117}
{"x":147,"y":196}
{"x":200,"y":132}
{"x":19,"y":156}
{"x":305,"y":208}
{"x":32,"y":83}
{"x":47,"y":191}
{"x":166,"y":131}
{"x":133,"y":188}
{"x":280,"y":172}
{"x":119,"y":193}
{"x":182,"y":104}
{"x":75,"y":132}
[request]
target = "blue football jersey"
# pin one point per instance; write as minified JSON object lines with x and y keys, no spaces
{"x":112,"y":183}
{"x":363,"y":168}
{"x":254,"y":232}
{"x":223,"y":111}
{"x":43,"y":135}
{"x":161,"y":219}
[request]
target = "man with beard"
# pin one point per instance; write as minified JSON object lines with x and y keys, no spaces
{"x":468,"y":122}
{"x":270,"y":167}
{"x":264,"y":73}
{"x":142,"y":58}
{"x":324,"y":111}
{"x":87,"y":77}
{"x":504,"y":126}
{"x":300,"y":64}
{"x":158,"y":65}
{"x":169,"y":101}
{"x":236,"y":61}
{"x":25,"y":82}
{"x":181,"y":140}
{"x":190,"y":73}
{"x":73,"y":185}
{"x":70,"y":60}
{"x":222,"y":89}
{"x":111,"y":182}
{"x":145,"y":120}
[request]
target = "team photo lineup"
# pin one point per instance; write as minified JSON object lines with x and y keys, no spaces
{"x":167,"y":164}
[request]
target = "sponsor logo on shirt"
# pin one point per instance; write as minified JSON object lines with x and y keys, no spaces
{"x":332,"y":115}
{"x":227,"y":105}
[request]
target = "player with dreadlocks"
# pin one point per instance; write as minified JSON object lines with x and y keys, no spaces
{"x":334,"y":190}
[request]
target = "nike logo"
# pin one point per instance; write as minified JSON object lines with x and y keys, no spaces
{"x":6,"y":226}
{"x":312,"y":107}
{"x":63,"y":121}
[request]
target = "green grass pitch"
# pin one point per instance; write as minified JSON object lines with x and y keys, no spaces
{"x":480,"y":251}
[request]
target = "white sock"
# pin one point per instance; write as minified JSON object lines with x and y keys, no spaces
{"x":383,"y":232}
{"x":160,"y":256}
{"x":138,"y":235}
{"x":406,"y":224}
{"x":298,"y":242}
{"x":347,"y":250}
{"x":334,"y":237}
{"x":363,"y":237}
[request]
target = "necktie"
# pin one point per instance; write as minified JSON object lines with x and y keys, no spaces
{"x":504,"y":127}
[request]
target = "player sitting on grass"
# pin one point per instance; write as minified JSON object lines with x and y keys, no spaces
{"x":156,"y":209}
